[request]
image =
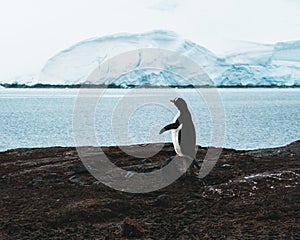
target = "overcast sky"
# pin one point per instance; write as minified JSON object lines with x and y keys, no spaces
{"x":33,"y":30}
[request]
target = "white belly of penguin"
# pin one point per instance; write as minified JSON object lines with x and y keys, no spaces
{"x":175,"y":137}
{"x":175,"y":140}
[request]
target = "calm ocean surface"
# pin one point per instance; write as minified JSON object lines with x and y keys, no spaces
{"x":254,"y":118}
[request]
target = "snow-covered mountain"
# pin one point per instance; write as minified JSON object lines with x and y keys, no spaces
{"x":73,"y":65}
{"x":251,"y":64}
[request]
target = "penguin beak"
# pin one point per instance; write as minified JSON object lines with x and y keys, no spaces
{"x":172,"y":101}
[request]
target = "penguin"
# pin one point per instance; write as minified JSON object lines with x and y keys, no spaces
{"x":183,"y":131}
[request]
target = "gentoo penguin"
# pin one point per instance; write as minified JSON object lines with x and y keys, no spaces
{"x":183,"y":131}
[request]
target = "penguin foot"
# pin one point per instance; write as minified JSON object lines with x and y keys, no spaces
{"x":195,"y":164}
{"x":193,"y":170}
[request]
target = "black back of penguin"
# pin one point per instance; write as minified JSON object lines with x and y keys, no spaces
{"x":187,"y":133}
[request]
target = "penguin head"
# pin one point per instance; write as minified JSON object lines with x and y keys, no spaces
{"x":179,"y":103}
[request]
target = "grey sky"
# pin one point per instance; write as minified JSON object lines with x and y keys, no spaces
{"x":32,"y":30}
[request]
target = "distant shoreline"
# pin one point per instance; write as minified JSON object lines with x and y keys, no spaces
{"x":77,"y":86}
{"x":275,"y":148}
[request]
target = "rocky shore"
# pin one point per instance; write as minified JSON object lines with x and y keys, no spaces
{"x":47,"y":193}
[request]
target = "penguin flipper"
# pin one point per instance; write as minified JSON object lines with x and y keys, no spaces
{"x":170,"y":127}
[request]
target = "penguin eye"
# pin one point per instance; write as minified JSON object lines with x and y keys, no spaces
{"x":175,"y":100}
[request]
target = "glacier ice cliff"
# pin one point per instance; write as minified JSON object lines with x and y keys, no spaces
{"x":263,"y":65}
{"x":254,"y":65}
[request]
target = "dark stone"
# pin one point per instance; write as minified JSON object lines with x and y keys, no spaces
{"x":166,"y":162}
{"x":131,"y":229}
{"x":226,"y":165}
{"x":162,"y":200}
{"x":95,"y":186}
{"x":76,"y":180}
{"x":162,"y":197}
{"x":37,"y":180}
{"x":52,"y":175}
{"x":78,"y":169}
{"x":146,"y":160}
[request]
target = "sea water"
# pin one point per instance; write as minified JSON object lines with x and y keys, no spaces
{"x":253,"y":118}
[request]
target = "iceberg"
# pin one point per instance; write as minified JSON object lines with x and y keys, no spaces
{"x":249,"y":65}
{"x":75,"y":64}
